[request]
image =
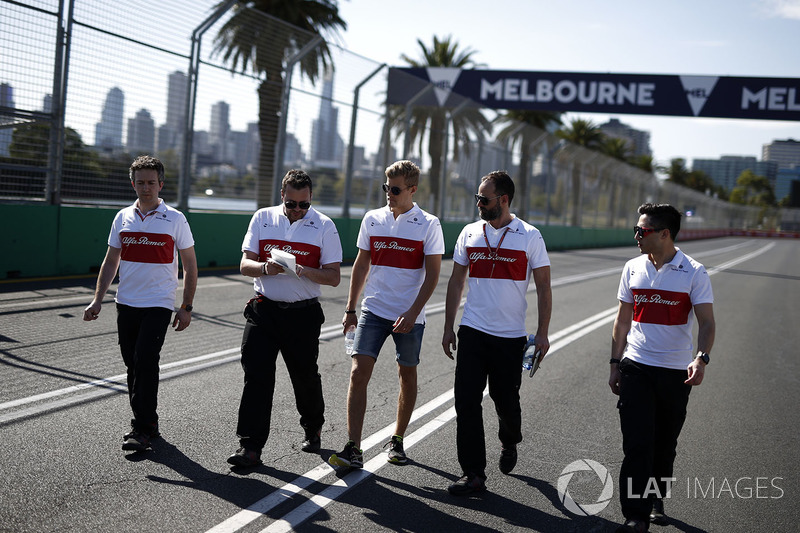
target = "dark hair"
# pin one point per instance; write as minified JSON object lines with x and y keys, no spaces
{"x":408,"y":170}
{"x":663,"y":216}
{"x":503,"y":184}
{"x":296,"y":179}
{"x":147,"y":162}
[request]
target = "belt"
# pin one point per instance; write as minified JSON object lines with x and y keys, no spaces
{"x":260,"y":298}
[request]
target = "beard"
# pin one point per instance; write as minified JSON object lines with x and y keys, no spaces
{"x":490,"y":214}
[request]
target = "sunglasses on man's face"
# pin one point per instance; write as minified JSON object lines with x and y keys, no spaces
{"x":395,"y":190}
{"x":291,"y":204}
{"x":641,"y":232}
{"x":484,"y":200}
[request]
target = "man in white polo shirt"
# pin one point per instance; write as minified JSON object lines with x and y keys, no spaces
{"x":285,"y":314}
{"x":498,"y":253}
{"x":400,"y":249}
{"x":653,"y":364}
{"x":144,"y":243}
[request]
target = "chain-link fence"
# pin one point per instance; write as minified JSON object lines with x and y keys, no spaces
{"x":220,"y":92}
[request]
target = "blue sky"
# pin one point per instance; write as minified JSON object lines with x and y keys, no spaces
{"x":699,"y":37}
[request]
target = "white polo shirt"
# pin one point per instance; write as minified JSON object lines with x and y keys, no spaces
{"x":397,"y":250}
{"x":663,"y":308}
{"x":149,"y":244}
{"x":498,"y":286}
{"x":313,"y":240}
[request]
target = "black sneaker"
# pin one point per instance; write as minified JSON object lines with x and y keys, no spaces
{"x":468,"y":484}
{"x":312,"y":442}
{"x":397,"y":455}
{"x":350,"y":456}
{"x":508,"y":459}
{"x":136,"y":441}
{"x":657,"y":515}
{"x":245,"y":457}
{"x":633,"y":526}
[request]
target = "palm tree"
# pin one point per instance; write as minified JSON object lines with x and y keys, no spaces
{"x":534,"y":123}
{"x":261,"y":42}
{"x":443,"y":53}
{"x":617,"y":148}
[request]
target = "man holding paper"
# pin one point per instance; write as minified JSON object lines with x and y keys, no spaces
{"x":290,"y":250}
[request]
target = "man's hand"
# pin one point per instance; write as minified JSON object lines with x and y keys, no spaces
{"x":92,"y":311}
{"x":349,"y":319}
{"x":613,"y":380}
{"x":696,"y":371}
{"x":448,"y":343}
{"x":404,"y":323}
{"x":182,"y":320}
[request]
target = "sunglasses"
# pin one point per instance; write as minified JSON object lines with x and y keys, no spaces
{"x":644,"y":232}
{"x":395,"y":190}
{"x":291,"y":204}
{"x":484,"y":200}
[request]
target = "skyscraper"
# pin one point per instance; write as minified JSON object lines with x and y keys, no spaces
{"x":327,"y":147}
{"x":638,"y":140}
{"x":141,"y":133}
{"x":785,"y":153}
{"x":169,"y":134}
{"x":219,"y":130}
{"x":6,"y":131}
{"x":108,"y":132}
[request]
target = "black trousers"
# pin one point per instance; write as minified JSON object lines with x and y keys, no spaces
{"x":652,"y":409}
{"x":295,"y":333}
{"x":483,"y":357}
{"x":141,"y":332}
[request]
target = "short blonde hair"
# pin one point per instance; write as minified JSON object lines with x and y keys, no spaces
{"x":405,"y":169}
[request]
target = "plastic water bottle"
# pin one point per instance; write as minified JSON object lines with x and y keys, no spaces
{"x":530,"y":350}
{"x":349,"y":339}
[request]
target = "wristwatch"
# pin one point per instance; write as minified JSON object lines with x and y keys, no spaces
{"x":703,"y":356}
{"x":188,"y":307}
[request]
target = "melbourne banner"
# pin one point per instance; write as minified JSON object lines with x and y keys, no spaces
{"x":638,"y":94}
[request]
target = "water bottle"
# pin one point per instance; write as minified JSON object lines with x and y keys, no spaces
{"x":349,"y":339}
{"x":530,"y":350}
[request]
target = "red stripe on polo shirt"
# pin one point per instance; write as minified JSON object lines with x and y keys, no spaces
{"x":305,"y":254}
{"x":396,"y":252}
{"x":509,"y":264}
{"x":142,"y":247}
{"x":657,"y":306}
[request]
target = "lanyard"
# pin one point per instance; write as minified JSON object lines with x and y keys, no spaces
{"x":493,"y":253}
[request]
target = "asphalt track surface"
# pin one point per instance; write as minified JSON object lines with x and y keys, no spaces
{"x":63,"y":410}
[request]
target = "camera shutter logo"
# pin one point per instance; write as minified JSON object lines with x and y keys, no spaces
{"x":602,"y":500}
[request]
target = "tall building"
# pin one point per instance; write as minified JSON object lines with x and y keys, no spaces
{"x":327,"y":146}
{"x":219,"y":131}
{"x":6,"y":129}
{"x":727,"y":169}
{"x":47,"y":103}
{"x":108,"y":132}
{"x":783,"y":181}
{"x":141,"y":133}
{"x":638,"y":140}
{"x":785,"y":153}
{"x":169,"y":133}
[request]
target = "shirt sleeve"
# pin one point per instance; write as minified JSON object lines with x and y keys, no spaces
{"x":460,"y":249}
{"x":363,"y":235}
{"x":701,"y":288}
{"x":537,"y":251}
{"x":624,"y":293}
{"x":331,"y":245}
{"x":250,"y":242}
{"x":116,"y":226}
{"x":183,"y":234}
{"x":434,"y":240}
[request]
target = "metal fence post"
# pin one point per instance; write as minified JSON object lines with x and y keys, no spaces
{"x":185,"y":178}
{"x":348,"y":176}
{"x":287,"y":90}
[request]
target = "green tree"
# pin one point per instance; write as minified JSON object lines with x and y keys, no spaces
{"x":443,"y":53}
{"x":644,"y":162}
{"x":583,"y":133}
{"x":752,"y":189}
{"x":262,"y":44}
{"x":617,"y":148}
{"x":677,"y":172}
{"x":532,"y":122}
